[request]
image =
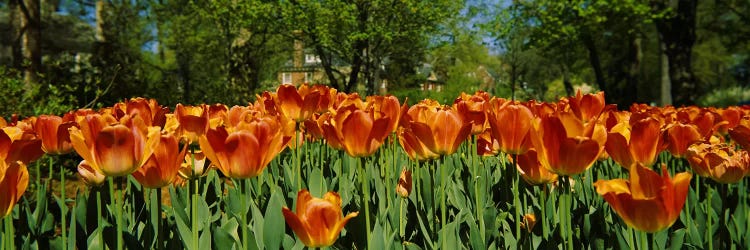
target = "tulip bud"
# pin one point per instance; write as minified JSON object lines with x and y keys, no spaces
{"x":403,"y":188}
{"x":529,"y":220}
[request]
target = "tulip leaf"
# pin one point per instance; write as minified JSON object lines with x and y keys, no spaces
{"x":94,"y":240}
{"x":185,"y":233}
{"x":315,"y":183}
{"x":676,"y":239}
{"x":274,"y":226}
{"x":204,"y":215}
{"x":72,"y":229}
{"x":205,"y":240}
{"x":225,"y":236}
{"x":475,"y":237}
{"x":424,"y":229}
{"x":178,"y":203}
{"x":257,"y":224}
{"x":378,"y":238}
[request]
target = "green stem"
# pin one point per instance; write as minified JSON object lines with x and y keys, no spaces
{"x":243,"y":200}
{"x":561,"y":208}
{"x":99,"y":219}
{"x":159,"y":235}
{"x":63,"y":207}
{"x":38,"y":168}
{"x":118,"y":208}
{"x":297,"y":160}
{"x":644,"y":240}
{"x":321,"y":153}
{"x":194,"y":212}
{"x":709,"y":220}
{"x":543,"y":206}
{"x":569,"y":212}
{"x":631,"y":238}
{"x":417,"y":183}
{"x":401,"y":222}
{"x":9,"y":232}
{"x":722,"y":222}
{"x":516,"y":191}
{"x":366,"y":196}
{"x":477,"y":176}
{"x":443,"y":197}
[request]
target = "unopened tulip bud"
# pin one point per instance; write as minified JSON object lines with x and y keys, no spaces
{"x":403,"y":188}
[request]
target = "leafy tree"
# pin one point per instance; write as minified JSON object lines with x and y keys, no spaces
{"x":364,"y":34}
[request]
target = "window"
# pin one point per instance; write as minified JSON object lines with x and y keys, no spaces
{"x":286,"y":78}
{"x":308,"y":77}
{"x":312,"y":58}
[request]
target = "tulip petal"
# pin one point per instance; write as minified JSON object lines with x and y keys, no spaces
{"x":297,"y":226}
{"x":114,"y":148}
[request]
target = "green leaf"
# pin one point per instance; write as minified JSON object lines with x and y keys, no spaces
{"x":225,"y":236}
{"x":257,"y":224}
{"x":315,"y":183}
{"x":677,"y":238}
{"x":185,"y":233}
{"x":205,"y":240}
{"x":94,"y":240}
{"x":274,"y":225}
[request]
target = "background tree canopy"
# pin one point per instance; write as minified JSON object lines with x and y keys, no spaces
{"x":59,"y":55}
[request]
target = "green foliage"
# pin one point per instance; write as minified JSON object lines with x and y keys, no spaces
{"x":725,"y":97}
{"x":32,"y":100}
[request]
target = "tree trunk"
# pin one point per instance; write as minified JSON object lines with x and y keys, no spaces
{"x":566,"y":81}
{"x":359,"y":50}
{"x":100,"y":16}
{"x":635,"y":56}
{"x":31,"y":38}
{"x":666,"y":84}
{"x":596,"y":64}
{"x":678,"y":34}
{"x":16,"y":32}
{"x":513,"y":77}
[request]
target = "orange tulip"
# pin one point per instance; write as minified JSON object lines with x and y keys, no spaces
{"x":730,"y":118}
{"x":359,"y":132}
{"x":473,"y":108}
{"x":300,"y":104}
{"x":90,"y":175}
{"x":528,"y":223}
{"x":532,"y":171}
{"x":440,"y":129}
{"x":631,"y":143}
{"x":53,"y":131}
{"x":149,"y":110}
{"x":193,"y":121}
{"x":647,"y":202}
{"x":13,"y":184}
{"x":588,"y":106}
{"x":244,"y":151}
{"x":565,"y":145}
{"x":403,"y":188}
{"x":741,"y":133}
{"x":487,"y":145}
{"x":718,"y":161}
{"x":18,"y":145}
{"x":387,"y":106}
{"x":413,"y":147}
{"x":162,"y":167}
{"x":510,"y":125}
{"x":194,"y":165}
{"x":679,"y":136}
{"x":114,"y":149}
{"x":317,"y":222}
{"x":702,"y":118}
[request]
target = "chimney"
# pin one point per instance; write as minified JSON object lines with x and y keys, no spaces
{"x":299,"y":49}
